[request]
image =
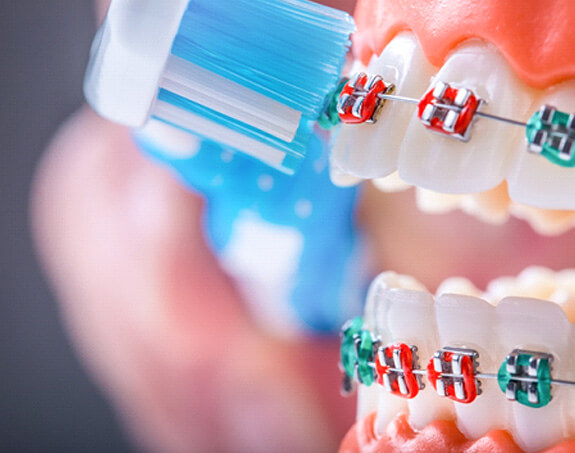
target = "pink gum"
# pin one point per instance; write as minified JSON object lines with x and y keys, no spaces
{"x":537,"y":38}
{"x":437,"y":437}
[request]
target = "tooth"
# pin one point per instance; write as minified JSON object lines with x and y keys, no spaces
{"x":534,"y":180}
{"x":491,"y":206}
{"x":458,"y":285}
{"x":341,"y":178}
{"x":391,"y":183}
{"x":410,"y":319}
{"x":446,"y":164}
{"x":564,"y":294}
{"x":377,"y":307}
{"x":535,"y":282}
{"x":520,"y":325}
{"x":543,"y":221}
{"x":432,"y":202}
{"x":371,"y":150}
{"x":469,"y":322}
{"x":538,"y":281}
{"x":367,"y":399}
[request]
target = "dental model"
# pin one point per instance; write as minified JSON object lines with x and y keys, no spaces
{"x":479,"y":102}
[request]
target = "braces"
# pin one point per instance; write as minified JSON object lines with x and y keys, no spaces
{"x":452,"y":111}
{"x":524,"y":376}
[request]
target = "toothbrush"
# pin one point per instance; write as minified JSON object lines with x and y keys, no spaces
{"x":251,"y":75}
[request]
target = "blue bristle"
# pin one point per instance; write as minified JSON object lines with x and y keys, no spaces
{"x":291,"y":51}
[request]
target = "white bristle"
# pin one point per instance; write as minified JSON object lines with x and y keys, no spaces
{"x":217,"y":132}
{"x":222,"y":95}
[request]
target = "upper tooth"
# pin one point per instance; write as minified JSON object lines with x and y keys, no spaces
{"x":340,"y":177}
{"x":533,"y":179}
{"x":371,"y":150}
{"x":469,"y":322}
{"x":446,"y":164}
{"x":520,"y":327}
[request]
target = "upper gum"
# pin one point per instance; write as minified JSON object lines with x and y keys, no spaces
{"x":539,"y":62}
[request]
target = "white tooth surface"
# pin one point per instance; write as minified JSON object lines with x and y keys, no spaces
{"x":534,"y":180}
{"x":535,"y":282}
{"x":446,"y":164}
{"x":491,"y":206}
{"x":458,"y":285}
{"x":469,"y":322}
{"x":388,"y":406}
{"x":391,"y":183}
{"x":367,"y":400}
{"x":411,"y":319}
{"x":371,"y":150}
{"x":537,"y":325}
{"x":543,"y":221}
{"x":564,"y":294}
{"x":432,"y":202}
{"x":341,"y":178}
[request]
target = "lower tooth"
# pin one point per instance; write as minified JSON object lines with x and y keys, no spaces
{"x":564,"y":295}
{"x":367,"y":400}
{"x":469,"y":322}
{"x":458,"y":285}
{"x":376,"y":312}
{"x":391,"y":183}
{"x":436,"y":203}
{"x":545,"y":222}
{"x":520,"y":326}
{"x":534,"y":282}
{"x":491,"y":206}
{"x":410,"y":318}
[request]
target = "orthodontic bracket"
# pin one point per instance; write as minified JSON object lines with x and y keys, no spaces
{"x":524,"y":376}
{"x":451,"y":111}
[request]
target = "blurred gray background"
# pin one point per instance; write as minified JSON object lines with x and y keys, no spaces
{"x":47,"y":403}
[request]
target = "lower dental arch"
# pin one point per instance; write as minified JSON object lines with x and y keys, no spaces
{"x":525,"y":376}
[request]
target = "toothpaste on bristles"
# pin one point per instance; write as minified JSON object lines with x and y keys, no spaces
{"x":252,"y":75}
